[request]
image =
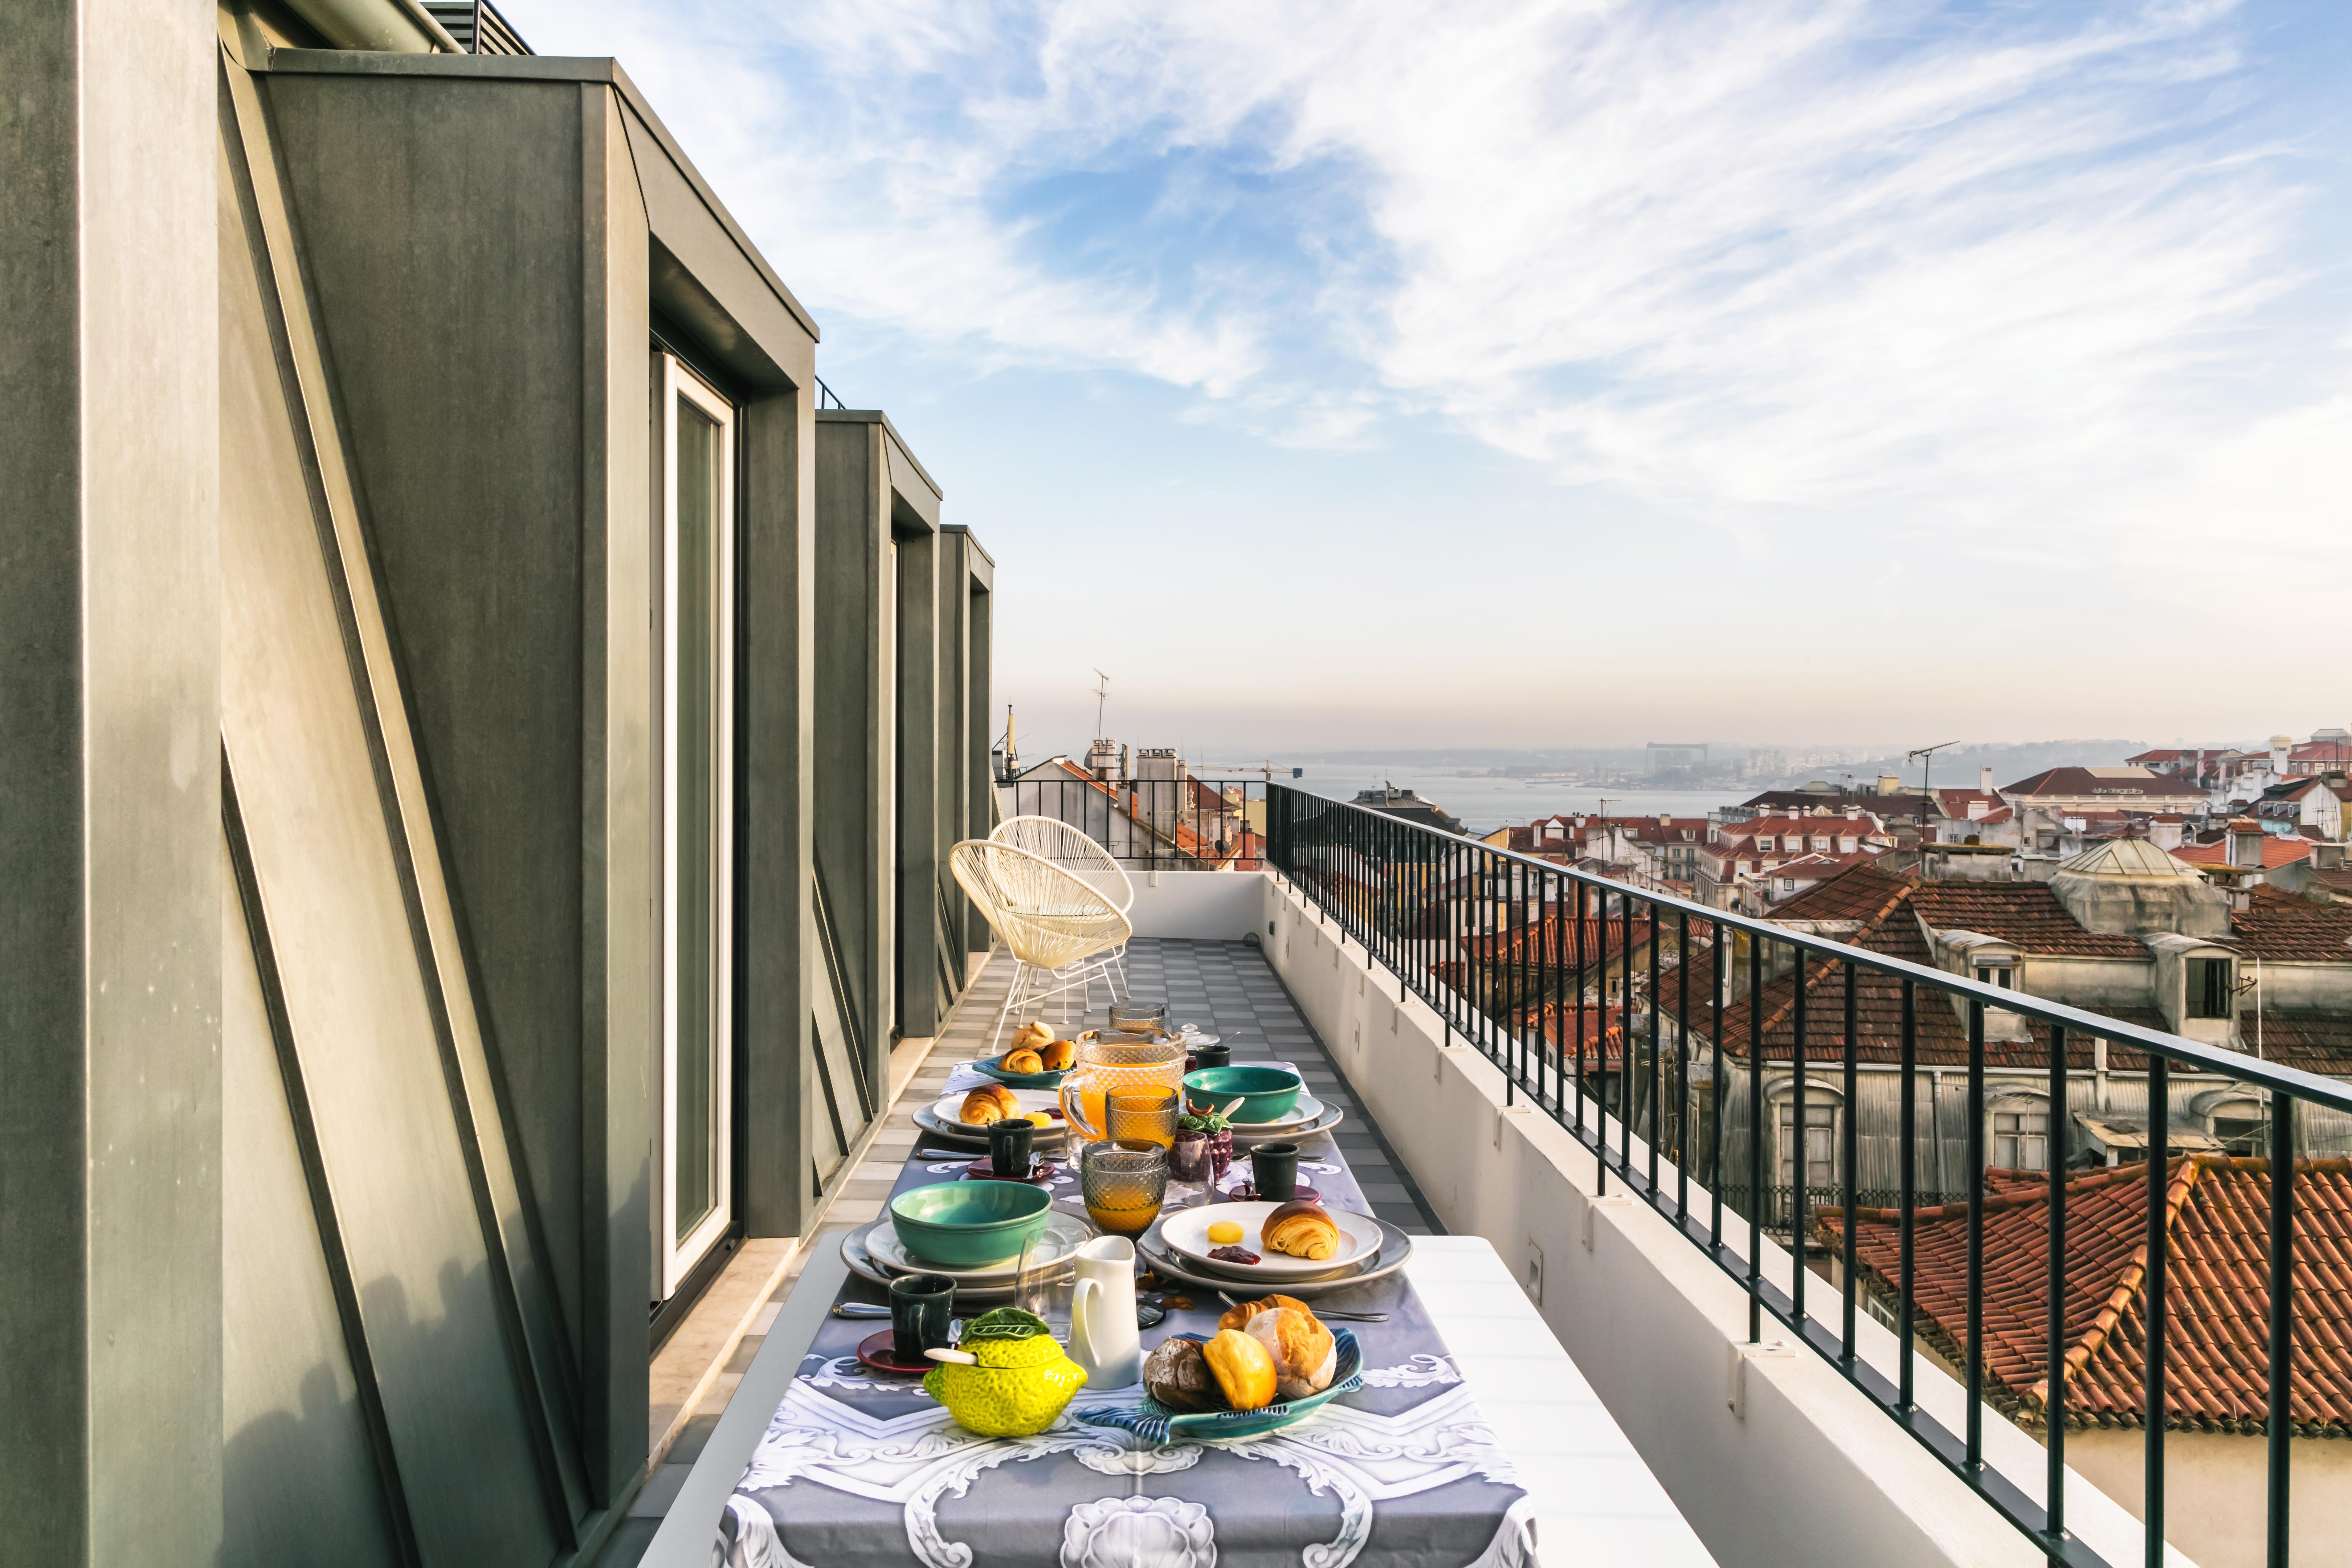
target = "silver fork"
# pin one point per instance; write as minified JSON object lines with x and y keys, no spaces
{"x":1334,"y":1316}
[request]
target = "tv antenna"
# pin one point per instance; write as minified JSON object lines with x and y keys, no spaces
{"x":1102,"y":692}
{"x":1925,"y":757}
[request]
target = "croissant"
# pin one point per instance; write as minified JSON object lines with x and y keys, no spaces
{"x":1302,"y":1230}
{"x":1058,"y":1055}
{"x":1033,"y":1036}
{"x":1304,"y":1352}
{"x":1023,"y":1061}
{"x":990,"y":1102}
{"x":1244,"y":1370}
{"x":1242,"y":1311}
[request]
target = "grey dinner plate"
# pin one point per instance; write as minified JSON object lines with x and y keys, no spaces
{"x":1396,"y":1246}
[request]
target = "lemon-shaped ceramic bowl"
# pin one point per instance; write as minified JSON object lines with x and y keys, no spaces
{"x":970,"y":1225}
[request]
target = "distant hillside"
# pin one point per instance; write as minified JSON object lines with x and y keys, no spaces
{"x":1957,"y":766}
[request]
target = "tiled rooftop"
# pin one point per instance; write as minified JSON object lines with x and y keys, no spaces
{"x":2285,"y":927}
{"x":1228,"y":988}
{"x":2217,"y":1299}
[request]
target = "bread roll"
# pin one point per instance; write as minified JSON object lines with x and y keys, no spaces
{"x":1305,"y":1354}
{"x":1178,"y":1376}
{"x":1059,"y":1055}
{"x":1239,"y":1317}
{"x":990,"y":1102}
{"x":1303,"y":1229}
{"x":1244,"y":1370}
{"x":1033,"y":1036}
{"x":1023,"y":1061}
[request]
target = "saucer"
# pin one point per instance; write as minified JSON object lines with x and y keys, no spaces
{"x":880,"y":1352}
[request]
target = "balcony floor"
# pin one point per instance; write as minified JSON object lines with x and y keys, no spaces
{"x":1227,"y":987}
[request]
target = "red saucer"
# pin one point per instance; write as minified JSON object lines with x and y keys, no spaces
{"x":880,"y":1352}
{"x":1041,"y":1173}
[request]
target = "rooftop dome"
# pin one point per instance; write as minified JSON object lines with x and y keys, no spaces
{"x":2135,"y":859}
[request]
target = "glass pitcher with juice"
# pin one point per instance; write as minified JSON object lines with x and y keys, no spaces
{"x":1114,"y":1066}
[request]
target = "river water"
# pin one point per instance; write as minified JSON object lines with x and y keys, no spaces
{"x":1484,"y":803}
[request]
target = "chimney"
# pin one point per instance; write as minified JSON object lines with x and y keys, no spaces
{"x":2280,"y":746}
{"x":1889,"y":785}
{"x":2245,"y":841}
{"x":1984,"y":780}
{"x":2165,"y":833}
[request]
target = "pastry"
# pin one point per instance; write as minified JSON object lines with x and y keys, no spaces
{"x":1242,"y":1368}
{"x":1177,"y":1375}
{"x":1239,"y":1317}
{"x":1033,"y":1036}
{"x":1302,"y":1230}
{"x":990,"y":1102}
{"x":1022,"y":1061}
{"x":1059,"y":1055}
{"x":1304,"y":1352}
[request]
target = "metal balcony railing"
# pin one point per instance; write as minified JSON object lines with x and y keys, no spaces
{"x":1529,"y":962}
{"x":1153,"y":825}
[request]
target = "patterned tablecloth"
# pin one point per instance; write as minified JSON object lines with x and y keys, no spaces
{"x":855,"y":1469}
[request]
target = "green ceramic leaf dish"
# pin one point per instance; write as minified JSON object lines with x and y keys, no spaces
{"x":1155,"y":1423}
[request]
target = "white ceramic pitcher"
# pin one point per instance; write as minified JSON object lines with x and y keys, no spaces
{"x":1103,"y":1340}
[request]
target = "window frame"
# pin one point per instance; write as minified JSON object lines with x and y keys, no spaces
{"x":2198,"y":988}
{"x":677,"y":1257}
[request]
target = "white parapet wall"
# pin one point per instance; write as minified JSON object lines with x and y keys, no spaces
{"x":1774,"y":1458}
{"x":1198,"y":906}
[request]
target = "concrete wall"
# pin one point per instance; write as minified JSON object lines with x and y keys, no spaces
{"x":1198,"y":906}
{"x":1770,"y":1454}
{"x":2216,"y":1491}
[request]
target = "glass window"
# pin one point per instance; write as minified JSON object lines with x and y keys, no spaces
{"x":2208,"y":988}
{"x":2021,"y":1140}
{"x":2239,"y":1124}
{"x":1999,"y":975}
{"x":697,"y":803}
{"x":1820,"y":1143}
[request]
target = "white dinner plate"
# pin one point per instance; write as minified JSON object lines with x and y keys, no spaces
{"x":1064,"y":1235}
{"x":1187,"y":1233}
{"x":949,"y":1108}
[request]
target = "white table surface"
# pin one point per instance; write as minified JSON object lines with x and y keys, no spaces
{"x":1596,"y":1502}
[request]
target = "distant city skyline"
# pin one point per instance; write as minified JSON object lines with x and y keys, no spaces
{"x":1528,"y":374}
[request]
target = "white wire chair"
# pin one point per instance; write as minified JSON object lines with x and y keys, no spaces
{"x":1060,"y":928}
{"x":1076,"y":852}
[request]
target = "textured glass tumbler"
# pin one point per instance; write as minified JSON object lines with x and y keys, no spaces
{"x":1124,"y":1185}
{"x":1144,"y":1118}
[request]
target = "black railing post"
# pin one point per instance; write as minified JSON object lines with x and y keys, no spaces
{"x":1976,"y":1236}
{"x":2280,"y":1431}
{"x":1800,"y":1153}
{"x":1656,"y":1121}
{"x":1849,"y":1151}
{"x":1755,"y":1139}
{"x":1718,"y":977}
{"x":2054,"y":1372}
{"x":1905,"y":1400}
{"x":2155,"y":1307}
{"x":1682,"y":1067}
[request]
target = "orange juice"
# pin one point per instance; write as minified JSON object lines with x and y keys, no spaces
{"x":1129,"y":1219}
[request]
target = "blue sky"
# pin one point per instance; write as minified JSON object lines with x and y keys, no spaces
{"x":1791,"y":370}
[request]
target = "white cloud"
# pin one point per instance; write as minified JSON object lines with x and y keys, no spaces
{"x":1869,"y":271}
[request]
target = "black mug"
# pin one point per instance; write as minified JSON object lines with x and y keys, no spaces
{"x":1274,"y":1172}
{"x":1010,"y":1142}
{"x":920,"y":1307}
{"x":1214,"y":1055}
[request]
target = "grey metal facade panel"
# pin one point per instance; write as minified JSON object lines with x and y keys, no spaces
{"x":954,"y":716}
{"x":915,"y":932}
{"x":357,"y":992}
{"x":777,"y":1115}
{"x":854,"y":705}
{"x":302,"y":1467}
{"x":456,"y":356}
{"x":617,"y":998}
{"x":109,"y":910}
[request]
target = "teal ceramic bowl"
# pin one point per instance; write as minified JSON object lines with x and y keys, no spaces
{"x":970,"y":1225}
{"x":1265,"y":1093}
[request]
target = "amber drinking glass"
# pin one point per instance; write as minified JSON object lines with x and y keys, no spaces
{"x":1108,"y":1068}
{"x":1124,"y":1185}
{"x":1144,"y":1118}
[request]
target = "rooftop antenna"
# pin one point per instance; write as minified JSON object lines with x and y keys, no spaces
{"x":1925,"y":757}
{"x":1102,"y":692}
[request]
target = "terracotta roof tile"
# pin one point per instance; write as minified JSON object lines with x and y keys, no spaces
{"x":2287,"y":928}
{"x":2217,"y":1293}
{"x":2026,"y":914}
{"x":2277,"y":852}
